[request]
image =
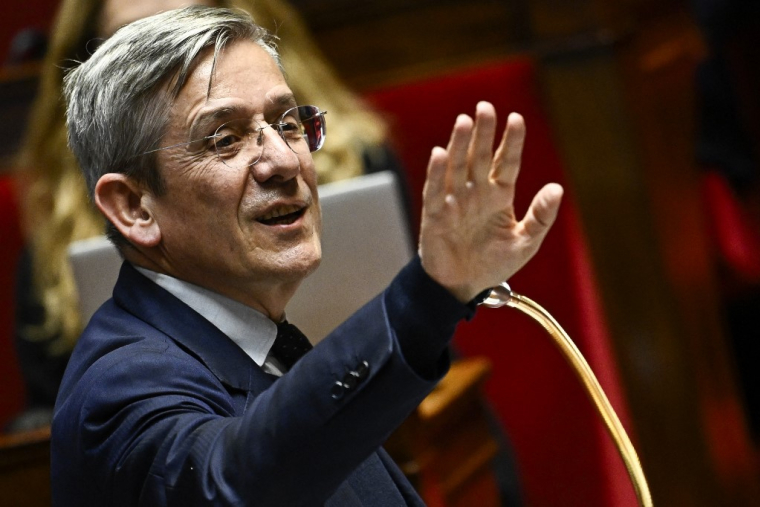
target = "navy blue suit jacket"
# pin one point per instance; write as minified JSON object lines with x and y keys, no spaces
{"x":158,"y":407}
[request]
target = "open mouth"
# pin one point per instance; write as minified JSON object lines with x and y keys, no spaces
{"x":284,"y":215}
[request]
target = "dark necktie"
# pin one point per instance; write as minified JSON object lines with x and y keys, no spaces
{"x":289,"y":345}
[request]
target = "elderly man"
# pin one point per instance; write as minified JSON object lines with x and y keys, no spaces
{"x":198,"y":155}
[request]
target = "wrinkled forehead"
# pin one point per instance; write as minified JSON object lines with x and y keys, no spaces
{"x":242,"y":79}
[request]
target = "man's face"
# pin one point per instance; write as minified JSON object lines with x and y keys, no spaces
{"x":215,"y":220}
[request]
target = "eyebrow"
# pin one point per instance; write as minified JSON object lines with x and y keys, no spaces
{"x":286,"y":99}
{"x":200,"y":125}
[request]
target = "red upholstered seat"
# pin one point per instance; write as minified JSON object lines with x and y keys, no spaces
{"x":564,"y":455}
{"x":11,"y":387}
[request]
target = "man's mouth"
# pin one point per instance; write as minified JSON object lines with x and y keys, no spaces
{"x":282,"y":215}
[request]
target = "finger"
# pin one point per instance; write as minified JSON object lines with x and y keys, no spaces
{"x":457,"y":149}
{"x":434,"y":191}
{"x":543,"y":211}
{"x":481,"y":145}
{"x":506,"y":164}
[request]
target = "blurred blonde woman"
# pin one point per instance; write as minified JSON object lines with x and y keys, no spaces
{"x":56,"y":208}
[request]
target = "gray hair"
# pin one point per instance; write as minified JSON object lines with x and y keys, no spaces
{"x":118,"y":101}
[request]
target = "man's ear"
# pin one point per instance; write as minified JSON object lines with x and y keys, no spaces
{"x":127,"y":205}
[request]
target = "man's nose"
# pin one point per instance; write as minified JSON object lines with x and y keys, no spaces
{"x":277,"y":160}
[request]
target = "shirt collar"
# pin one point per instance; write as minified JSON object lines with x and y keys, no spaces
{"x":250,"y":329}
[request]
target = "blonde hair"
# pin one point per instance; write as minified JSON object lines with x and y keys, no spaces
{"x":55,"y":205}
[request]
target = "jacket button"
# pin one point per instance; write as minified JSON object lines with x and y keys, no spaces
{"x":338,"y":390}
{"x":362,"y":371}
{"x":350,"y":380}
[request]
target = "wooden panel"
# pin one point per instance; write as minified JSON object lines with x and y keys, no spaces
{"x":446,"y":446}
{"x":587,"y":107}
{"x":374,"y":43}
{"x":25,"y":469}
{"x":553,"y":19}
{"x":624,"y":117}
{"x":658,"y":69}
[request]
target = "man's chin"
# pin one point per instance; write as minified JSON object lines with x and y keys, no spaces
{"x":305,"y":265}
{"x":301,"y":265}
{"x":315,"y":264}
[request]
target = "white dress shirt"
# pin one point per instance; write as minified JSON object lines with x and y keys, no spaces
{"x":250,"y":329}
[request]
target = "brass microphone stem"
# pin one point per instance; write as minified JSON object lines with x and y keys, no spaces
{"x":502,"y":296}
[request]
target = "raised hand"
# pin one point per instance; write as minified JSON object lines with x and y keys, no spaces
{"x":470,"y":239}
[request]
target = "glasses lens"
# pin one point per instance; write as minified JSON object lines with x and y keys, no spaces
{"x":303,"y":128}
{"x":313,"y":126}
{"x":239,"y":143}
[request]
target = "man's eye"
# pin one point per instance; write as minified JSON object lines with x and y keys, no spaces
{"x":229,"y":137}
{"x":291,"y":128}
{"x":225,"y":141}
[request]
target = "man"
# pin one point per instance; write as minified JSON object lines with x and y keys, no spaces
{"x":199,"y":157}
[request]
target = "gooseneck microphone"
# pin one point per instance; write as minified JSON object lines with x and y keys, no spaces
{"x":502,"y":295}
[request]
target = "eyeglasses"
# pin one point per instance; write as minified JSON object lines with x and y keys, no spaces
{"x":239,"y":143}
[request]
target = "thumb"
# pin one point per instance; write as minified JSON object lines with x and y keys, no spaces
{"x":543,"y":210}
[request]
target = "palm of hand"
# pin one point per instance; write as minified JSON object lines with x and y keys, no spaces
{"x":470,"y":238}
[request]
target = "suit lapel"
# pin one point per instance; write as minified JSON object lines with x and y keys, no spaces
{"x":160,"y":309}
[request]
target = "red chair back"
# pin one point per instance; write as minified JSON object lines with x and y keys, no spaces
{"x":11,"y":386}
